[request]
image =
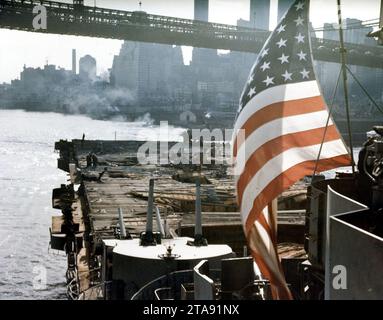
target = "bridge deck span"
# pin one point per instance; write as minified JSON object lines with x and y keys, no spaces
{"x":68,"y":19}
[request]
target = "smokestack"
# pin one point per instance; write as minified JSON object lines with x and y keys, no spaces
{"x":201,"y":10}
{"x":74,"y":61}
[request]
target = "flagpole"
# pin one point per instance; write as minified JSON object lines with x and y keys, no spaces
{"x":344,"y":71}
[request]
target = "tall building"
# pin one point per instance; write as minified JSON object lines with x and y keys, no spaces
{"x":354,"y":32}
{"x":371,"y":78}
{"x":283,"y":6}
{"x":201,"y":10}
{"x":88,"y":68}
{"x":202,"y":57}
{"x":148,"y":70}
{"x":260,"y":14}
{"x":331,"y":31}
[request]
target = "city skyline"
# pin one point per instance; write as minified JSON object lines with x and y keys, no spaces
{"x":27,"y":47}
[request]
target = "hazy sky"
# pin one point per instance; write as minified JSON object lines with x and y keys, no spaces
{"x":33,"y":49}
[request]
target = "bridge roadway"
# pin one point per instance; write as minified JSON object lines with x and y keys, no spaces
{"x":69,"y":19}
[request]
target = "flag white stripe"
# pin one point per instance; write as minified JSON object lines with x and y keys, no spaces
{"x":280,"y":164}
{"x":285,"y":92}
{"x":274,"y":129}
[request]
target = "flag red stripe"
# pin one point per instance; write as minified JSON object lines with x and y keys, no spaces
{"x":279,"y":110}
{"x":278,"y":145}
{"x":288,"y":178}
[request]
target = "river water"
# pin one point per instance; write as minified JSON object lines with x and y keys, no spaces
{"x":28,"y":173}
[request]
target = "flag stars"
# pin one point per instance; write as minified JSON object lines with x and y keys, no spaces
{"x":284,"y":59}
{"x":300,"y":38}
{"x":287,"y":76}
{"x":268,"y":81}
{"x":304,"y":73}
{"x":265,"y":66}
{"x":299,"y":21}
{"x":251,"y":93}
{"x":302,"y":55}
{"x":281,"y":28}
{"x":265,"y":52}
{"x":288,"y":45}
{"x":299,"y":6}
{"x":281,"y":43}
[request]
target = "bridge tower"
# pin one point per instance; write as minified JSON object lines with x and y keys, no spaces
{"x":201,"y":10}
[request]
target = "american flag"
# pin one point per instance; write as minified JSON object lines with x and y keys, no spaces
{"x":280,"y":125}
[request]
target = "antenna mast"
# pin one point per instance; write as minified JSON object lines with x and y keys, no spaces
{"x":344,"y":71}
